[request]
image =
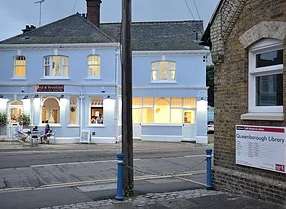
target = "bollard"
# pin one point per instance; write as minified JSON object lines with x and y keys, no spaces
{"x":120,"y":176}
{"x":209,"y":169}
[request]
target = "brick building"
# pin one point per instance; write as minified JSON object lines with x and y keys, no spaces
{"x":243,"y":33}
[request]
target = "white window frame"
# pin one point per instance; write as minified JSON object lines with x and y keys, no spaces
{"x":99,"y":65}
{"x":15,"y":66}
{"x":158,"y":72}
{"x":62,"y":70}
{"x":89,"y":112}
{"x":263,"y":46}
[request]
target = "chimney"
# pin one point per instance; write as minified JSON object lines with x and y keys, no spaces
{"x":93,"y":11}
{"x":29,"y":28}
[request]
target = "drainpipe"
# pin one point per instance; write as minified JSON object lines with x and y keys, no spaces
{"x":81,"y":113}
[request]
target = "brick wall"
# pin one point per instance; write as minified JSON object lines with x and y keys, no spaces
{"x":231,"y":98}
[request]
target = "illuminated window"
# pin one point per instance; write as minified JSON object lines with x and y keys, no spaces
{"x":74,"y":110}
{"x":174,"y":110}
{"x":15,"y":111}
{"x":94,"y":66}
{"x":51,"y":110}
{"x":96,"y":110}
{"x":164,"y":71}
{"x":20,"y":67}
{"x":162,"y":110}
{"x":148,"y":110}
{"x":137,"y":109}
{"x":56,"y":66}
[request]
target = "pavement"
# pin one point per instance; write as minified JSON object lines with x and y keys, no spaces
{"x":189,"y":199}
{"x":70,"y":176}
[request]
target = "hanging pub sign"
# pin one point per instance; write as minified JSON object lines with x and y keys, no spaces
{"x":261,"y":147}
{"x":50,"y":88}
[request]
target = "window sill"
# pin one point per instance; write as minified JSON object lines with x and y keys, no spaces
{"x":163,"y":81}
{"x":263,"y":116}
{"x":96,"y":126}
{"x":54,"y":78}
{"x":73,"y":126}
{"x":90,"y":78}
{"x":18,"y":78}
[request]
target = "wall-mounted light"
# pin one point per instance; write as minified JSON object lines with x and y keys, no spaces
{"x":36,"y":96}
{"x":1,"y":96}
{"x":62,"y":96}
{"x":26,"y":97}
{"x":108,"y":97}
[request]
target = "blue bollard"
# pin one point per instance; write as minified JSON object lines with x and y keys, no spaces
{"x":209,"y":169}
{"x":120,"y":176}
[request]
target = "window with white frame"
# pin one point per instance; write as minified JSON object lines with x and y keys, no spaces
{"x":163,"y":71}
{"x":51,"y":110}
{"x":266,"y":77}
{"x":96,"y":110}
{"x":74,"y":110}
{"x":94,"y":66}
{"x":56,"y":66}
{"x":164,"y":110}
{"x":20,"y":67}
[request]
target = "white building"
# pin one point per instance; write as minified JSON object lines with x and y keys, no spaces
{"x":67,"y":74}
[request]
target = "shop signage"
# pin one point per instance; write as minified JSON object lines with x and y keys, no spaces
{"x":261,"y":147}
{"x":50,"y":88}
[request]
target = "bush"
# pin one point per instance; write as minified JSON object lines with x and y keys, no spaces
{"x":3,"y":119}
{"x":24,"y":119}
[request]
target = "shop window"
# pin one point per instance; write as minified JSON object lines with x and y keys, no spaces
{"x":96,"y":110}
{"x":189,"y":116}
{"x":56,"y":66}
{"x":148,"y":110}
{"x":74,"y":110}
{"x":162,"y":110}
{"x":164,"y":71}
{"x":51,"y":110}
{"x":15,"y":111}
{"x":20,"y":67}
{"x":265,"y":76}
{"x":174,"y":110}
{"x":94,"y":66}
{"x":137,"y":110}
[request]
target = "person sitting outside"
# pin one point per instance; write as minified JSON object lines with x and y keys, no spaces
{"x":20,"y":134}
{"x":46,"y":135}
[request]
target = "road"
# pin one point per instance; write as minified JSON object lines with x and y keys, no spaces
{"x":91,"y":169}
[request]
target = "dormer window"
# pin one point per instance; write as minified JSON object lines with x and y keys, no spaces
{"x":56,"y":66}
{"x":164,"y":71}
{"x":20,"y":67}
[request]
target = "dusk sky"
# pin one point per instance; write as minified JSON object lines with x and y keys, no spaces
{"x":15,"y":14}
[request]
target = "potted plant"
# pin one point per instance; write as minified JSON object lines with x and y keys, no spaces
{"x":25,"y":120}
{"x":3,"y":123}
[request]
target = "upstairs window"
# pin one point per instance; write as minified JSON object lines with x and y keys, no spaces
{"x":164,"y":71}
{"x":265,"y":77}
{"x":94,"y":66}
{"x":20,"y":67}
{"x":56,"y":66}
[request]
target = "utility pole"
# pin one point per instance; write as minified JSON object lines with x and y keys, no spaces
{"x":40,"y":3}
{"x":127,"y":125}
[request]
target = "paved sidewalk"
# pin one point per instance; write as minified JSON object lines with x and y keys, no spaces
{"x":191,"y":199}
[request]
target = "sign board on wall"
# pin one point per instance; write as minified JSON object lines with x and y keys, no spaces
{"x":261,"y":147}
{"x":50,"y":88}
